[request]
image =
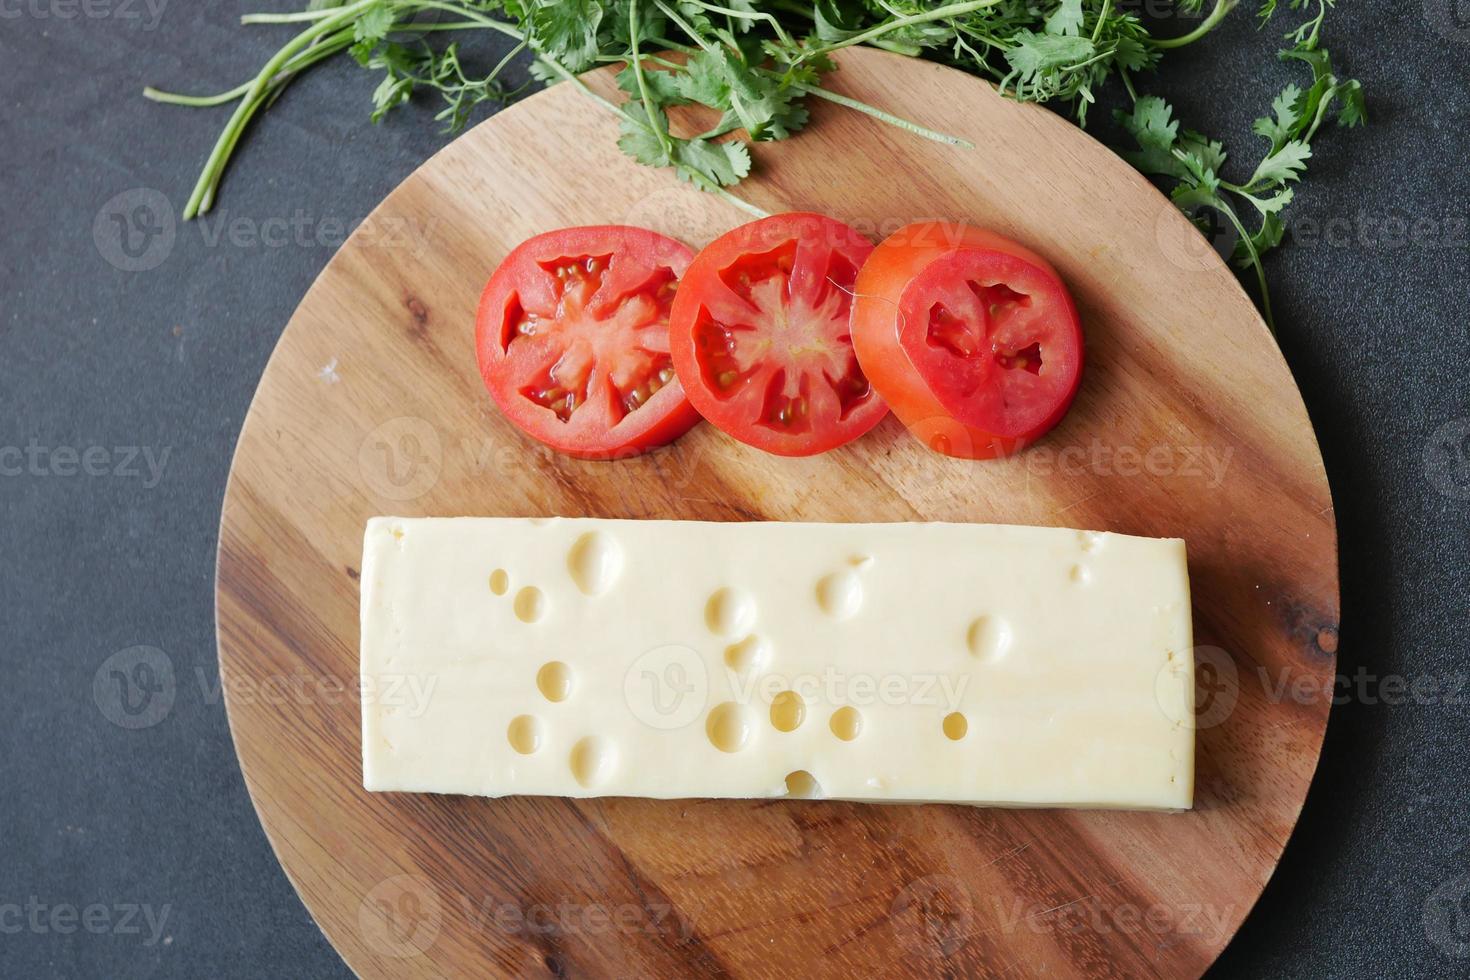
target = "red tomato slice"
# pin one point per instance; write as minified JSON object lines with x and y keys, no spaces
{"x":760,"y":337}
{"x":971,"y":338}
{"x":573,"y":340}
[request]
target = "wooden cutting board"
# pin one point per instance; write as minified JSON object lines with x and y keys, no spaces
{"x":1188,"y":424}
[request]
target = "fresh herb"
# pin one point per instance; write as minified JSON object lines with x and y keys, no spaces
{"x":1194,"y":162}
{"x":758,"y":64}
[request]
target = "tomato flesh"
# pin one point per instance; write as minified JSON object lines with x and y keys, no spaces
{"x":981,"y":327}
{"x":573,"y":345}
{"x":972,"y":339}
{"x":760,"y":335}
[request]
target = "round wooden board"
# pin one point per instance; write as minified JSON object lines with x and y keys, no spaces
{"x":1188,"y":424}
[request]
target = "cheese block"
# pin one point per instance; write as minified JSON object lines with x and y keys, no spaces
{"x":964,"y":663}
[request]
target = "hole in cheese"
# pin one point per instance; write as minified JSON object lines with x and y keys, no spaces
{"x":846,"y":723}
{"x":595,"y":562}
{"x":989,"y":637}
{"x":499,"y":581}
{"x":802,"y":785}
{"x":530,"y":604}
{"x":788,"y":711}
{"x":554,"y":680}
{"x":729,"y":612}
{"x":525,"y":734}
{"x":593,"y":761}
{"x":840,"y":594}
{"x":728,"y":726}
{"x":751,"y":653}
{"x":955,"y":726}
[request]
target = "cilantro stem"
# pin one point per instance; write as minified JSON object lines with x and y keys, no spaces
{"x":898,"y":23}
{"x":660,"y":130}
{"x":747,"y":15}
{"x":805,"y":11}
{"x":302,"y":61}
{"x":686,"y":27}
{"x":736,"y":103}
{"x":472,"y":16}
{"x":510,"y":55}
{"x":1102,"y":16}
{"x":294,"y":17}
{"x":203,"y":193}
{"x":887,"y":117}
{"x":1255,"y":261}
{"x":1221,"y":8}
{"x":652,"y":59}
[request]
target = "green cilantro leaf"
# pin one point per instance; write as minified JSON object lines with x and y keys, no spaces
{"x":1066,"y":20}
{"x":373,"y":24}
{"x":1282,"y":165}
{"x":725,"y":163}
{"x":567,"y":30}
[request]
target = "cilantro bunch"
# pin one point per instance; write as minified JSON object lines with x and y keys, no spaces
{"x":757,"y":64}
{"x":1194,"y":161}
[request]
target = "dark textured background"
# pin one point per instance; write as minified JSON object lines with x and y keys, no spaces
{"x":1373,"y":319}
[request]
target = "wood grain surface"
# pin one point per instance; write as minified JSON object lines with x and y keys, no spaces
{"x":1188,"y":424}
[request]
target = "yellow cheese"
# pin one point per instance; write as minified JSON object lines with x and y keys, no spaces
{"x":965,"y":663}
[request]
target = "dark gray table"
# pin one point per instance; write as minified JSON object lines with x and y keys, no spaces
{"x":134,"y":851}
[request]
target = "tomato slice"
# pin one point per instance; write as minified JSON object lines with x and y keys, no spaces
{"x":972,"y":339}
{"x":572,"y":337}
{"x":760,"y":335}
